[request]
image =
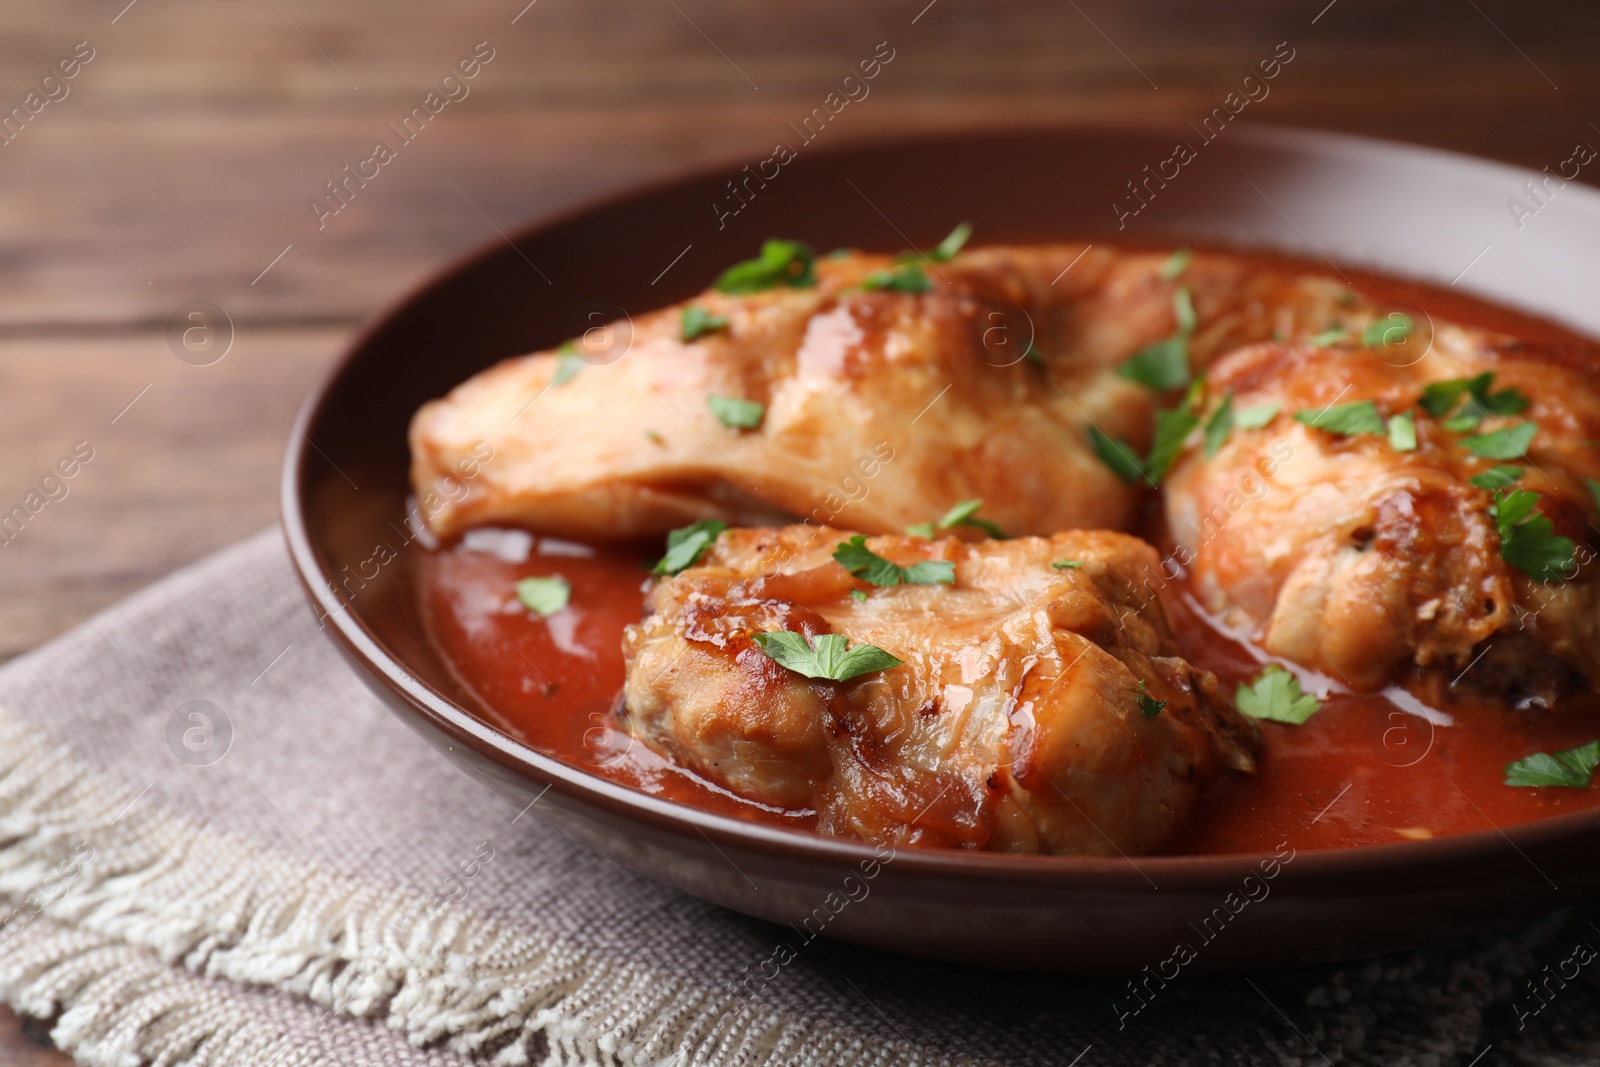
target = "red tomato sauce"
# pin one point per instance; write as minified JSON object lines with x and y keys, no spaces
{"x":556,"y":684}
{"x":1364,"y":770}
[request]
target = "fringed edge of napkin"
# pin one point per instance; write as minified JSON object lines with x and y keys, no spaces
{"x":117,"y":909}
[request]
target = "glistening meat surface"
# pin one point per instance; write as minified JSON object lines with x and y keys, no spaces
{"x":982,"y":386}
{"x":1037,"y":709}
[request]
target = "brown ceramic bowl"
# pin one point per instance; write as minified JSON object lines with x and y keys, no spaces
{"x":1405,"y":211}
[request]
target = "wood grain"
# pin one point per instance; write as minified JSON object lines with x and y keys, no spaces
{"x":181,"y":161}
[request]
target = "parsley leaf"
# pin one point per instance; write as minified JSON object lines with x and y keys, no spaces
{"x":1276,"y":695}
{"x":1165,"y":364}
{"x":1510,"y":443}
{"x":1572,"y":768}
{"x":1175,"y":264}
{"x":1496,"y":478}
{"x":857,"y":595}
{"x":1067,"y":564}
{"x":735,"y":412}
{"x":1255,"y":416}
{"x":824,"y":656}
{"x":1118,"y":455}
{"x":1031,"y":353}
{"x":1594,"y":490}
{"x":789,"y":263}
{"x":1359,"y":417}
{"x":1527,"y":537}
{"x":854,"y":556}
{"x":696,"y":322}
{"x":1328,"y":337}
{"x":1183,"y":310}
{"x":1219,"y":425}
{"x":966,"y":514}
{"x":952,"y":244}
{"x":1390,"y":330}
{"x":1403,"y":432}
{"x":1149,"y":705}
{"x":923,"y":530}
{"x":1172,"y":429}
{"x":568,"y":364}
{"x":686,"y":543}
{"x":1160,"y":366}
{"x":544,"y":596}
{"x":906,"y":278}
{"x":1441,"y":398}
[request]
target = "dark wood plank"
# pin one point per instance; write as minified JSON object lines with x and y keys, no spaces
{"x":191,"y":466}
{"x":195,"y":138}
{"x":26,"y":1043}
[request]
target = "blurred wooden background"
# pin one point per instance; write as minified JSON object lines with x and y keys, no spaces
{"x":179,"y":164}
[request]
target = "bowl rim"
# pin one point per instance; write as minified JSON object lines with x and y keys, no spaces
{"x":1198,"y":871}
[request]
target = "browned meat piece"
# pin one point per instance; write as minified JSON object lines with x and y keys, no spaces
{"x":882,"y":408}
{"x":1014,"y":723}
{"x":1356,"y":557}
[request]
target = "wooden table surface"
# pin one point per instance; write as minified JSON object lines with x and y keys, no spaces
{"x":180,"y":161}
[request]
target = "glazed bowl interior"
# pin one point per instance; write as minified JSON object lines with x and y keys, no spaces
{"x":1407,"y":212}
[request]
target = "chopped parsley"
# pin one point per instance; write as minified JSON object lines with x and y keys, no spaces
{"x":1165,"y":364}
{"x":1594,"y":490}
{"x":1511,"y":443}
{"x":1527,"y":537}
{"x":1403,"y":432}
{"x":787,"y":263}
{"x":1219,"y":425}
{"x":857,"y":595}
{"x":1255,"y":416}
{"x":1183,"y":310}
{"x":1117,"y":454}
{"x":947,"y":248}
{"x":1572,"y":768}
{"x":923,"y":530}
{"x":966,"y":514}
{"x":1358,"y":417}
{"x":1276,"y":695}
{"x":906,"y":278}
{"x":1067,"y":564}
{"x":824,"y":656}
{"x":1441,"y":398}
{"x":655,"y":438}
{"x":686,"y":543}
{"x":944,"y":250}
{"x":1030,"y":352}
{"x":1175,"y":264}
{"x":1391,"y":330}
{"x":854,"y":556}
{"x":1496,"y":478}
{"x":544,"y":596}
{"x":735,"y":412}
{"x":1149,"y":705}
{"x":696,"y":322}
{"x":1173,"y":427}
{"x":1329,"y":337}
{"x":568,"y":364}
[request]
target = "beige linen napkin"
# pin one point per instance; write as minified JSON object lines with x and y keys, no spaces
{"x":295,"y":878}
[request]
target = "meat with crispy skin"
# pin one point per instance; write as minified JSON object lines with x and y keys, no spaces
{"x":882,"y":408}
{"x":1014,"y":723}
{"x":1352,"y":556}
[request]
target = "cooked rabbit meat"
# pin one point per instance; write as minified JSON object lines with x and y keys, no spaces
{"x":1015,"y":722}
{"x":881,"y":408}
{"x":1351,"y":554}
